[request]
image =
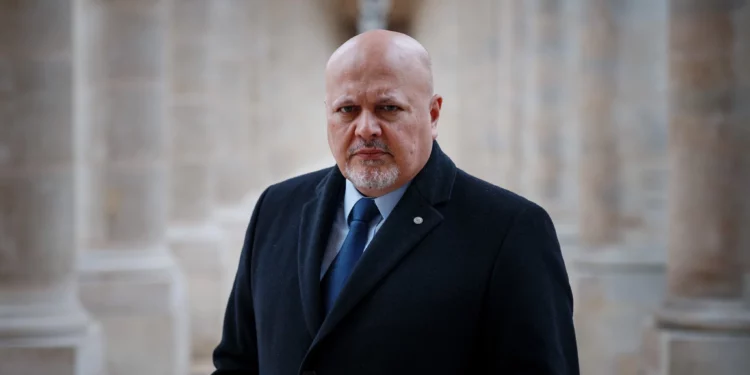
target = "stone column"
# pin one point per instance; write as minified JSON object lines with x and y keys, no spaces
{"x":256,"y":76}
{"x":618,"y":273}
{"x":545,"y":95}
{"x":569,"y":138}
{"x":295,"y":138}
{"x":477,"y":89}
{"x":512,"y":34}
{"x":478,"y":70}
{"x":129,"y":279}
{"x":198,"y":243}
{"x":43,"y":326}
{"x":597,"y":173}
{"x":231,"y":44}
{"x":435,"y":25}
{"x":704,"y":325}
{"x":550,"y":171}
{"x":598,"y":161}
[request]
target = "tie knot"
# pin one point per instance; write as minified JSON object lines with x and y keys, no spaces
{"x":364,"y":210}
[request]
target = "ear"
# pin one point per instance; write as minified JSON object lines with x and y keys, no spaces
{"x":436,"y":104}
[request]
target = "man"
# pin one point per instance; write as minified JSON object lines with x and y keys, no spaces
{"x":395,"y":261}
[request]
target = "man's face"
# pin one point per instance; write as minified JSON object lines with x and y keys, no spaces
{"x":381,"y":123}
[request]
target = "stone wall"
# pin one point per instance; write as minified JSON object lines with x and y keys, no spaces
{"x":623,"y":120}
{"x":137,"y":135}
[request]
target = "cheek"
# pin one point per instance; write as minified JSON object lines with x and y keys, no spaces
{"x":339,"y":137}
{"x":403,"y":140}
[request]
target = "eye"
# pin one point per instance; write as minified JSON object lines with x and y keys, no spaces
{"x":347,"y":109}
{"x":389,"y":108}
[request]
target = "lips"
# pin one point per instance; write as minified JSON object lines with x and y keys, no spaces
{"x":370,"y":153}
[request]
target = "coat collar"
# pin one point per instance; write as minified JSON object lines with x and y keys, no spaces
{"x":396,"y":238}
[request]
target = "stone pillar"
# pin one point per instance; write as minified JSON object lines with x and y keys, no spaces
{"x":435,"y":25}
{"x":129,"y":279}
{"x":545,"y":95}
{"x":230,"y":44}
{"x":569,"y":138}
{"x":704,"y":325}
{"x":641,"y":120}
{"x":550,"y":171}
{"x":294,"y":138}
{"x":598,"y":160}
{"x":43,"y":326}
{"x":230,"y":80}
{"x":256,"y":75}
{"x":373,"y":14}
{"x":598,"y":176}
{"x":478,"y":70}
{"x":477,"y":89}
{"x":618,"y":273}
{"x":512,"y":35}
{"x":198,"y":243}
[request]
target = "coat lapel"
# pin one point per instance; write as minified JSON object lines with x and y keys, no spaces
{"x":315,"y":227}
{"x":401,"y":233}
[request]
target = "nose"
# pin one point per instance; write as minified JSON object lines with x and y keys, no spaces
{"x":367,"y":126}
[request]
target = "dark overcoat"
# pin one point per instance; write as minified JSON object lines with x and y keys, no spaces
{"x":476,"y":286}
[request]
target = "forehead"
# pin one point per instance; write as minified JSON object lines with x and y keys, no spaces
{"x":370,"y":85}
{"x":360,"y":80}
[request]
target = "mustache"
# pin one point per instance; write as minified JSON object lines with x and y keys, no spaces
{"x":377,"y":144}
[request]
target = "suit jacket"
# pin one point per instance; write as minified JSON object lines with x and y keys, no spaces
{"x":477,"y":287}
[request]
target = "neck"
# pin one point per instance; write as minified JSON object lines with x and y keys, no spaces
{"x":375,"y":193}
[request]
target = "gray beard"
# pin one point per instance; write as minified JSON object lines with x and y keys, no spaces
{"x":373,"y":176}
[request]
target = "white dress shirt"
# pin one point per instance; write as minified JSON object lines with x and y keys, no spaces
{"x":340,"y":229}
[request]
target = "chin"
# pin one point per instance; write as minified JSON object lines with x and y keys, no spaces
{"x":372,"y":176}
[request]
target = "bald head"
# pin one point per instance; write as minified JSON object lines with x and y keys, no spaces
{"x":384,"y":50}
{"x":381,"y":110}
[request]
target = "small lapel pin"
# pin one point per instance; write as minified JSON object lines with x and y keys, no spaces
{"x":418,"y":220}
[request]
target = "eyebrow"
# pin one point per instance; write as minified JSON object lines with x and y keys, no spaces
{"x":388,"y":98}
{"x":382,"y":98}
{"x":341,"y":101}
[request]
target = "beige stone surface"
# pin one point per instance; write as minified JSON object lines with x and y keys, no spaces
{"x":704,"y":325}
{"x":570,"y":138}
{"x":436,"y":27}
{"x":198,"y":242}
{"x":511,"y":39}
{"x":680,"y":352}
{"x":202,"y":254}
{"x":616,"y":292}
{"x":129,"y":279}
{"x":43,"y":326}
{"x":709,"y":139}
{"x":233,"y":81}
{"x":640,"y":115}
{"x":598,"y":162}
{"x":545,"y":96}
{"x":549,"y":130}
{"x":78,"y":354}
{"x":230,"y":97}
{"x":148,"y":146}
{"x":141,"y":304}
{"x":623,"y":180}
{"x":194,"y":144}
{"x":471,"y":66}
{"x":298,"y":37}
{"x":477,"y":89}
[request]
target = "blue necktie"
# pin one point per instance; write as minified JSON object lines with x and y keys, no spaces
{"x":359,"y":219}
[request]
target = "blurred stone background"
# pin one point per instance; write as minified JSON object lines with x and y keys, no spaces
{"x":136,"y":134}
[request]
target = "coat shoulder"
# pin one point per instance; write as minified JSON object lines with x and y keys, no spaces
{"x":475,"y":192}
{"x":302,"y":186}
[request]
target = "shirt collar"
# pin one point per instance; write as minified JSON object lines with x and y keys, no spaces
{"x":385,"y":203}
